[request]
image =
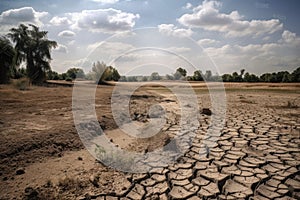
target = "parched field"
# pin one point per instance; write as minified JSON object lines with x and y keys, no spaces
{"x":256,"y":155}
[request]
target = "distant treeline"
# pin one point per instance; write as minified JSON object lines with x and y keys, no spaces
{"x":275,"y":77}
{"x":242,"y":76}
{"x":103,"y":73}
{"x":100,"y":73}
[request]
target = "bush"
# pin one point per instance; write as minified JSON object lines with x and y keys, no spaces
{"x":22,"y":84}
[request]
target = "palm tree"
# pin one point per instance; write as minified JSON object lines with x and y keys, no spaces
{"x":7,"y":54}
{"x":33,"y":47}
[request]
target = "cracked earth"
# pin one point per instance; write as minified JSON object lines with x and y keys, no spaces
{"x":255,"y":155}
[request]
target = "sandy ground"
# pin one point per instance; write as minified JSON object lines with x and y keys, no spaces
{"x":42,"y":156}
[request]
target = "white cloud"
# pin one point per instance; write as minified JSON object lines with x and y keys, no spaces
{"x":59,"y":21}
{"x":66,"y":33}
{"x":188,"y":6}
{"x":208,"y":17}
{"x":63,"y":65}
{"x":172,"y":30}
{"x":208,"y":42}
{"x":107,"y":51}
{"x":106,"y":1}
{"x":14,"y":17}
{"x":61,"y":48}
{"x":112,"y":48}
{"x":258,"y":57}
{"x":148,"y":60}
{"x":289,"y":37}
{"x":104,"y":20}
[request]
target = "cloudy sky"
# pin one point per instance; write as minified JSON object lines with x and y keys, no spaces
{"x":224,"y":36}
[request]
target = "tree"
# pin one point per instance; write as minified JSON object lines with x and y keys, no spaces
{"x":247,"y":77}
{"x":283,"y":76}
{"x":287,"y":78}
{"x":198,"y":76}
{"x":75,"y":73}
{"x":116,"y":76}
{"x":177,"y":75}
{"x":242,"y":74}
{"x":102,"y":73}
{"x":169,"y":77}
{"x":132,"y":79}
{"x":238,"y":77}
{"x":123,"y":79}
{"x":235,"y":77}
{"x":112,"y":74}
{"x":268,"y":77}
{"x":154,"y":76}
{"x":280,"y":75}
{"x":89,"y":76}
{"x":274,"y":78}
{"x":227,"y":78}
{"x":216,"y":78}
{"x":295,"y":76}
{"x":62,"y":76}
{"x":98,"y":72}
{"x":18,"y":73}
{"x":52,"y":75}
{"x":144,"y":78}
{"x":265,"y":77}
{"x":250,"y":78}
{"x":181,"y":71}
{"x":208,"y":75}
{"x":7,"y":54}
{"x":32,"y":47}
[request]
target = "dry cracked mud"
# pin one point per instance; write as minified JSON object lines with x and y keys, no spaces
{"x":255,"y":155}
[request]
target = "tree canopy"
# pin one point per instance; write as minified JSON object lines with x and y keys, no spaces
{"x":102,"y":73}
{"x":7,"y":54}
{"x":74,"y":73}
{"x":32,"y":47}
{"x":275,"y":77}
{"x":154,"y":76}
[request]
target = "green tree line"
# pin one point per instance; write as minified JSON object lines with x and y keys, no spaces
{"x":275,"y":77}
{"x":242,"y":76}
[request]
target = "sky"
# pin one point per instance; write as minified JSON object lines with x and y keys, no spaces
{"x":141,"y":36}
